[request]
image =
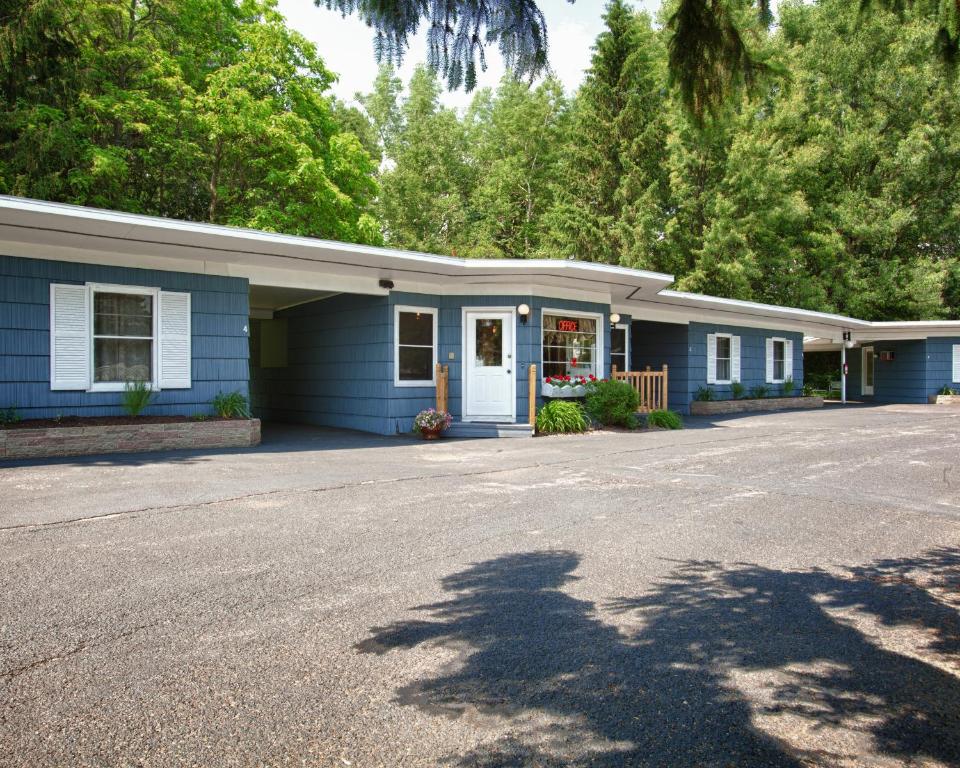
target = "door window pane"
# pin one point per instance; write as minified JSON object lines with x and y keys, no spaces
{"x":618,"y":348}
{"x":489,"y":343}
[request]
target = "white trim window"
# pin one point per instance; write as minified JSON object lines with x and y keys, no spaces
{"x":571,"y":343}
{"x":779,"y":360}
{"x":723,"y":358}
{"x":414,"y":346}
{"x":106,"y":336}
{"x":620,"y":346}
{"x":956,"y":363}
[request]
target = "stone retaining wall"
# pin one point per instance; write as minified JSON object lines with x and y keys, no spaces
{"x":717,"y":407}
{"x":127,"y":438}
{"x":944,"y":399}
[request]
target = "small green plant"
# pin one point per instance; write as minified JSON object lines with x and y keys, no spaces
{"x":613,"y":403}
{"x":8,"y":416}
{"x":703,"y":394}
{"x":136,"y":397}
{"x":561,"y":417}
{"x":58,"y":418}
{"x":808,"y":390}
{"x":737,"y":390}
{"x":231,"y":405}
{"x":664,"y":420}
{"x":946,"y":389}
{"x":200,"y":417}
{"x":760,"y":391}
{"x":788,"y":386}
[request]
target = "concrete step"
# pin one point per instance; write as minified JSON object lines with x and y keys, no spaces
{"x":488,"y":429}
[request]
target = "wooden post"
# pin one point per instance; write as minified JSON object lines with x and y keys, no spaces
{"x":532,"y":394}
{"x":613,"y":372}
{"x":665,"y":386}
{"x":443,"y":374}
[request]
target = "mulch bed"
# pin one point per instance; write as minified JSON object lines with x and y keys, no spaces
{"x":103,"y":421}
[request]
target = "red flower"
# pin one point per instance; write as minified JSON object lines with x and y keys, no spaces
{"x":548,"y":379}
{"x":592,"y":377}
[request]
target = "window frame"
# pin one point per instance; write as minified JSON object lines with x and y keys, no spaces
{"x":405,"y":308}
{"x":601,"y":336}
{"x":133,"y":290}
{"x":717,"y":358}
{"x":773,"y":359}
{"x":625,"y":327}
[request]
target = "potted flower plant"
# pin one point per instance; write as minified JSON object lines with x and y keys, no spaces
{"x":431,"y":422}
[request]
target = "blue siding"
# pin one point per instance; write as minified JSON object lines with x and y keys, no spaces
{"x":220,"y":311}
{"x":919,"y":368}
{"x":339,"y":371}
{"x":659,"y":344}
{"x":753,"y":357}
{"x":940,"y":364}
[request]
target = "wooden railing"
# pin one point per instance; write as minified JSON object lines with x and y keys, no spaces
{"x":443,"y":386}
{"x":650,"y":385}
{"x":532,"y":393}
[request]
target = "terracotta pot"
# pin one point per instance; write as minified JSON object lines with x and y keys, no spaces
{"x":431,"y":434}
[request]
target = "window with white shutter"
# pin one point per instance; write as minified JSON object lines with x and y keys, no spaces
{"x":104,"y":336}
{"x":734,"y":358}
{"x":769,"y":361}
{"x":721,"y":359}
{"x":788,"y":359}
{"x":174,"y":357}
{"x":956,"y":363}
{"x":69,"y":337}
{"x":711,"y":358}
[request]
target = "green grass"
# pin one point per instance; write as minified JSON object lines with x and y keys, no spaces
{"x":136,"y":397}
{"x":231,"y":405}
{"x":664,"y":420}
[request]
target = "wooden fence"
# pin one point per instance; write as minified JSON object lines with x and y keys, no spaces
{"x":650,"y":385}
{"x":443,"y":386}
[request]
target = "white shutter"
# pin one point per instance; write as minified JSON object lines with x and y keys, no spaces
{"x":734,"y":358}
{"x":174,"y":340}
{"x":788,"y":359}
{"x":711,"y":358}
{"x":69,"y":336}
{"x":769,"y":361}
{"x":956,"y":362}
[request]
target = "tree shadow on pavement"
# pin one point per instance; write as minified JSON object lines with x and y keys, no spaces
{"x":575,"y":690}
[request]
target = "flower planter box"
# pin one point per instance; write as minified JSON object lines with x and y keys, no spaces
{"x":717,"y":407}
{"x":45,"y":442}
{"x":550,"y":390}
{"x":944,"y":399}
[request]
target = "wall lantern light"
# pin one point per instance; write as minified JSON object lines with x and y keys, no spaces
{"x":614,"y":318}
{"x":524,"y":311}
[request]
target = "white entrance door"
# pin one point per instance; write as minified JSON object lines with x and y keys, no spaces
{"x":867,"y":369}
{"x":489,"y":388}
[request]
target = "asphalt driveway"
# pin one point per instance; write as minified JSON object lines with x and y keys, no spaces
{"x":767,"y":590}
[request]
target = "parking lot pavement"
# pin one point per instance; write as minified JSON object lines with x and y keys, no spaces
{"x":780,"y":589}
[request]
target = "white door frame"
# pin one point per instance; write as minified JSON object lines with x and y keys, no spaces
{"x":465,"y":313}
{"x":863,"y":371}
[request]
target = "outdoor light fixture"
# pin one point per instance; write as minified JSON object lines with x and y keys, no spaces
{"x":388,"y":284}
{"x":614,"y":318}
{"x":524,"y":311}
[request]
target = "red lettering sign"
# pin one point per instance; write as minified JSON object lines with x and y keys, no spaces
{"x":567,"y":325}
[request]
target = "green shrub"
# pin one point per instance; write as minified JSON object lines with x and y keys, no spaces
{"x":561,"y":417}
{"x":231,"y":405}
{"x":8,"y":416}
{"x":737,"y":390}
{"x":136,"y":397}
{"x":664,"y":420}
{"x":613,"y":403}
{"x":788,"y":387}
{"x":946,"y":389}
{"x":703,"y":394}
{"x":759,"y":391}
{"x":808,"y":390}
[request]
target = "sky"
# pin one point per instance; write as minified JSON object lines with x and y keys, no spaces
{"x":346,"y":45}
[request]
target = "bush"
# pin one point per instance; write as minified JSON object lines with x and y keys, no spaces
{"x":788,"y":387}
{"x":946,"y":389}
{"x":232,"y":405}
{"x":737,"y":390}
{"x":8,"y":416}
{"x":664,"y":420}
{"x":759,"y":391}
{"x":703,"y":394}
{"x":136,"y":397}
{"x":561,"y":417}
{"x":613,"y":403}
